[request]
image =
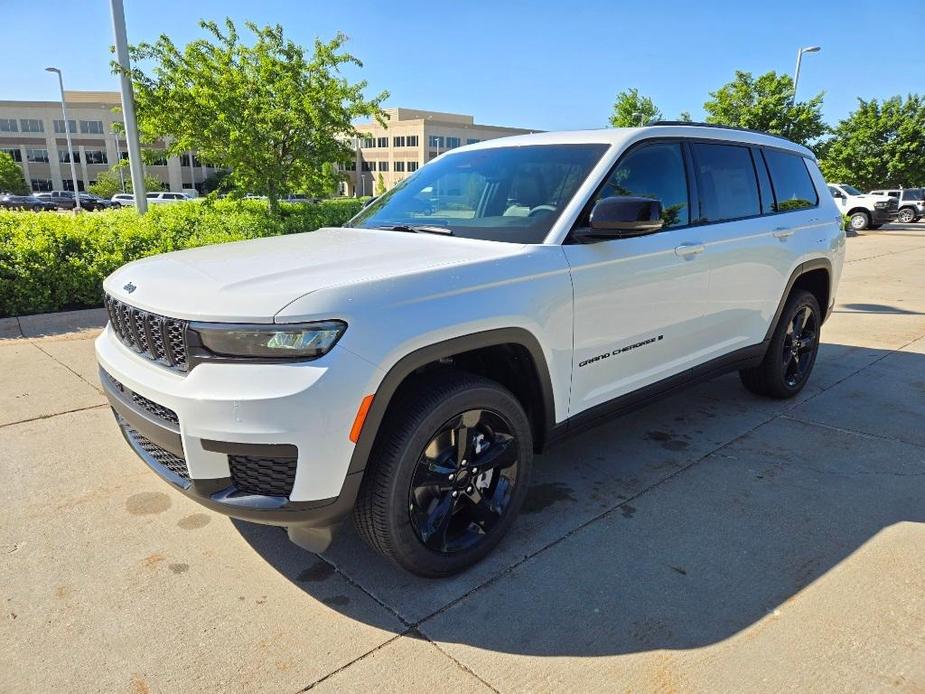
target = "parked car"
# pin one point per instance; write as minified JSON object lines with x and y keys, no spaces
{"x":865,"y":211}
{"x":165,"y":197}
{"x":911,"y":203}
{"x":11,"y":201}
{"x":65,"y":200}
{"x":405,"y":368}
{"x":123,"y":200}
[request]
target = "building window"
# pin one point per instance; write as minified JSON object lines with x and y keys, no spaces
{"x":367,"y":166}
{"x":71,"y":126}
{"x":369,"y":142}
{"x":36,"y":155}
{"x":412,"y":166}
{"x":8,"y":125}
{"x":452,"y":142}
{"x":398,"y":141}
{"x":41,"y":185}
{"x":399,"y":166}
{"x":436,"y":141}
{"x":91,"y":127}
{"x":156,"y":159}
{"x":383,"y":166}
{"x":95,"y":156}
{"x":412,"y":140}
{"x":68,"y":184}
{"x":472,"y":140}
{"x":382,"y":142}
{"x":64,"y":158}
{"x":14,"y":152}
{"x":187,"y":160}
{"x":31,"y":125}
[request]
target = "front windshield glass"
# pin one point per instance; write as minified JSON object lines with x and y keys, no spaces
{"x":510,"y":194}
{"x":851,"y":190}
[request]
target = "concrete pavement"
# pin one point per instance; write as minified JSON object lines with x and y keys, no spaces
{"x":714,"y":541}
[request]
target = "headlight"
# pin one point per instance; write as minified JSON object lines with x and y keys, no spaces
{"x":881,"y":205}
{"x":294,"y":341}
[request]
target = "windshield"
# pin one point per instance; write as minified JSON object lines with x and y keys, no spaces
{"x":851,"y":190}
{"x":510,"y":194}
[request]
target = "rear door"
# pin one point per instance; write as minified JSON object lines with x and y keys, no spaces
{"x":638,"y":301}
{"x":759,"y":207}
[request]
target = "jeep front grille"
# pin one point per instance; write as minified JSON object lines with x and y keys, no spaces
{"x":264,"y":476}
{"x":161,"y":456}
{"x":154,"y":337}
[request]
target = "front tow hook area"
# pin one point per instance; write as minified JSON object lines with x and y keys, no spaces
{"x":314,"y":540}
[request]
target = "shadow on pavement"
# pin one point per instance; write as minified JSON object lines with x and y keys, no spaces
{"x":697,"y":552}
{"x":876,"y":308}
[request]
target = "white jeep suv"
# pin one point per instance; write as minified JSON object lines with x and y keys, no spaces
{"x":406,"y":368}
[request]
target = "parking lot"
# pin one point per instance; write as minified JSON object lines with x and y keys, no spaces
{"x":713,"y":541}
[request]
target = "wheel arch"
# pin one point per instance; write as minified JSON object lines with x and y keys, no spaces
{"x":520,"y":344}
{"x":855,"y":210}
{"x":814,"y":276}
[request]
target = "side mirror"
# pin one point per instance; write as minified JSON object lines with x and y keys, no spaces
{"x":837,"y":195}
{"x":623,"y":216}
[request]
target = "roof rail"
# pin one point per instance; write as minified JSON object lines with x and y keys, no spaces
{"x":717,"y":125}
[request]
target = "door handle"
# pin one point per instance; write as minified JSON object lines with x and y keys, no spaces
{"x":689,"y":249}
{"x":782,"y":232}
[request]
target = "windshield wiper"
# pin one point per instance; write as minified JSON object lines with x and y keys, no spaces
{"x":418,"y":229}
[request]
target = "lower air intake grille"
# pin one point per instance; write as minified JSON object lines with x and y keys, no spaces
{"x":162,"y":456}
{"x":264,"y":476}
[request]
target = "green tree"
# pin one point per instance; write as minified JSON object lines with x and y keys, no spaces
{"x":765,"y":103}
{"x":11,"y":178}
{"x":216,"y":182}
{"x":630,"y":110}
{"x":109,"y":182}
{"x":269,"y":112}
{"x":878,"y":145}
{"x":685,"y":117}
{"x":380,"y":185}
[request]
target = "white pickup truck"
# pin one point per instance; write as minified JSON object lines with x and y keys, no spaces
{"x":864,"y":210}
{"x":405,"y":368}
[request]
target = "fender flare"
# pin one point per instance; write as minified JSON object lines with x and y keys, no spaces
{"x":440,"y":350}
{"x":801,"y":269}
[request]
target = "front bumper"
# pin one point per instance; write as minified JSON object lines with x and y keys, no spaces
{"x":884,"y":216}
{"x":190,"y":428}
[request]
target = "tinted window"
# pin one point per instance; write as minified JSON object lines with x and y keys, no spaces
{"x":654,"y":171}
{"x":914,"y":194}
{"x":792,"y":185}
{"x":727,"y":184}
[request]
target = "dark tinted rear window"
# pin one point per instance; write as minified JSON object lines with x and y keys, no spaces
{"x":793,"y":187}
{"x":727,"y":183}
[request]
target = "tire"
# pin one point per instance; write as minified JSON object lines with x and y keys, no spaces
{"x":404,"y":501}
{"x":778,"y":376}
{"x":906,"y":216}
{"x":859,"y":221}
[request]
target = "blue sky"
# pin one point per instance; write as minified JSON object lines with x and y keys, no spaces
{"x":546,"y":64}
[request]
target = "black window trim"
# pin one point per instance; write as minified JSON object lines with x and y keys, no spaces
{"x":693,"y":192}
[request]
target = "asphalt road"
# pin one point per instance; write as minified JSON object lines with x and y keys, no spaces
{"x":711,"y":542}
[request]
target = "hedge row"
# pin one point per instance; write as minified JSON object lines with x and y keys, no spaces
{"x":54,"y":262}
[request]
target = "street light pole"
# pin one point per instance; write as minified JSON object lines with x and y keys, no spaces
{"x":67,"y":133}
{"x":796,"y":73}
{"x":128,"y":107}
{"x":115,"y":136}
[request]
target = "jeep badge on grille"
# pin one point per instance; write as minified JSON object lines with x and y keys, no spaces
{"x":130,"y":287}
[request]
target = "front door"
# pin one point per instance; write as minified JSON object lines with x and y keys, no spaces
{"x":639,"y":301}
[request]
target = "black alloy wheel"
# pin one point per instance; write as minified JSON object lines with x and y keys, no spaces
{"x":799,"y":346}
{"x":464,"y":481}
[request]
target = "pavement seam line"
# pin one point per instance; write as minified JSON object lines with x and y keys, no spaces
{"x":58,"y":361}
{"x":459,"y":664}
{"x":355,"y":660}
{"x":54,"y":414}
{"x":856,"y":432}
{"x":367,"y":593}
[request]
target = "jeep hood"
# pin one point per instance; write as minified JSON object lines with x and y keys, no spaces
{"x":251,"y":281}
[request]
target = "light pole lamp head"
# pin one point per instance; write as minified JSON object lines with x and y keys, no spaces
{"x":811,"y":49}
{"x":53,"y":69}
